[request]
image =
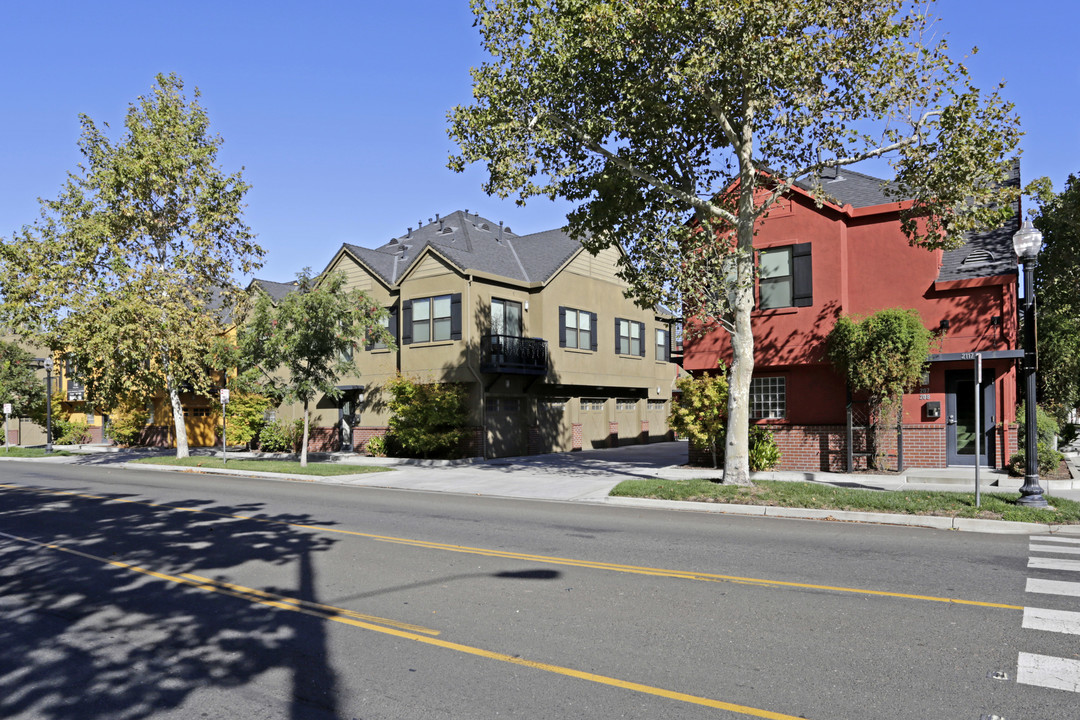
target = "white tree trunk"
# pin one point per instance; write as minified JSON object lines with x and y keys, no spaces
{"x":303,"y":445}
{"x":737,"y":442}
{"x":178,"y":417}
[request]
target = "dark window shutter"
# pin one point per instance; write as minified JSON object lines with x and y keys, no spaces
{"x":592,"y":331}
{"x":802,"y":293}
{"x":406,"y":322}
{"x":617,"y":336}
{"x":455,"y":316}
{"x":394,"y":322}
{"x":562,"y":326}
{"x":644,"y":340}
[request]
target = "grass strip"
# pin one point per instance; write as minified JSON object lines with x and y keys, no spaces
{"x":30,"y":452}
{"x":291,"y":467}
{"x":995,"y":506}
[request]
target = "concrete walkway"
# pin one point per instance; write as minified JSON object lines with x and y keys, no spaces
{"x":590,"y":475}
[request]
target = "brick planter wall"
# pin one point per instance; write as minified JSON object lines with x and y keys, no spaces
{"x":577,"y":436}
{"x":613,"y":434}
{"x":361,"y":436}
{"x":323,"y":439}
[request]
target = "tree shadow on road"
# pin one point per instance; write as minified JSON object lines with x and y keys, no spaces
{"x":83,"y":638}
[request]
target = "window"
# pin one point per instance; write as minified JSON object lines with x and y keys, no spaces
{"x":785,"y":277}
{"x":625,"y":405}
{"x":628,"y":337}
{"x":432,"y":319}
{"x":768,"y":398}
{"x":390,"y":322}
{"x":657,"y":405}
{"x":505,"y":317}
{"x":592,"y":404}
{"x":577,"y":329}
{"x":663,"y":344}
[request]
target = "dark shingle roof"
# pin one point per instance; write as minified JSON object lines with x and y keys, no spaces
{"x":472,"y":244}
{"x":985,"y":254}
{"x":855,"y":189}
{"x":275,"y":290}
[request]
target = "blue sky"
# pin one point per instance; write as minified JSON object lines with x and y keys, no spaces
{"x":337,"y":110}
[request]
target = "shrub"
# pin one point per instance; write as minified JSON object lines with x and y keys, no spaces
{"x":127,"y":423}
{"x":70,"y":432}
{"x":1049,"y":460}
{"x":376,"y":446}
{"x":1046,"y":427}
{"x":282,"y":436}
{"x":764,"y":452}
{"x":245,"y":416}
{"x":701,"y":410}
{"x":428,"y":419}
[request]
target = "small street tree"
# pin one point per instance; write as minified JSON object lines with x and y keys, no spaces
{"x":1057,"y":293}
{"x":677,"y":127}
{"x":298,"y":349}
{"x":127,"y":272}
{"x":884,"y":356}
{"x":701,"y":410}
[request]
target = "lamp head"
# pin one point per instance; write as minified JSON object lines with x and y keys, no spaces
{"x":48,"y":364}
{"x":1027,"y":241}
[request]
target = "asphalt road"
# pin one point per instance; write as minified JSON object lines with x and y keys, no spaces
{"x":131,"y":594}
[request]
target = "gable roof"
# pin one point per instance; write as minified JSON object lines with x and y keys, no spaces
{"x":472,"y":244}
{"x":859,"y":190}
{"x":275,"y":290}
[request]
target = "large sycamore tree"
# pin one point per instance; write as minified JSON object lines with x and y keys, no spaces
{"x":675,"y":125}
{"x":128,"y":271}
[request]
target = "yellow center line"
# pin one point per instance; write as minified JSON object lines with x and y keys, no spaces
{"x":405,"y":631}
{"x":571,"y":562}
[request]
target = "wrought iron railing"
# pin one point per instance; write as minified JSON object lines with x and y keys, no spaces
{"x":510,"y":354}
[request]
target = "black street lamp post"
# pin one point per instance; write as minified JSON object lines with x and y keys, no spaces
{"x":1027,"y":243}
{"x":48,"y":403}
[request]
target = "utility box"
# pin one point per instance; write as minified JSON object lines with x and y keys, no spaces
{"x":932,"y":410}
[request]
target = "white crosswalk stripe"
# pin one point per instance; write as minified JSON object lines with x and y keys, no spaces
{"x":1059,"y":549}
{"x":1061,"y":621}
{"x":1046,"y":671}
{"x":1053,"y":587}
{"x":1053,"y":564}
{"x":1056,"y":539}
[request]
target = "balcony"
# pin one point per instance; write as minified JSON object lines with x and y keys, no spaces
{"x":514,"y":355}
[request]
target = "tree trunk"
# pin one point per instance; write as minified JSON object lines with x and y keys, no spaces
{"x":303,"y":444}
{"x":178,"y":417}
{"x":737,"y":442}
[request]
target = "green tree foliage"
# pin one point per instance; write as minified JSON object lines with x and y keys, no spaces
{"x":651,"y":113}
{"x":299,"y":348}
{"x":19,"y":384}
{"x":700,"y":413}
{"x":127,"y":271}
{"x":1057,"y":294}
{"x":883,"y":355}
{"x":427,"y":419}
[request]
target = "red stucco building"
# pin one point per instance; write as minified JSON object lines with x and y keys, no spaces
{"x":850,"y":257}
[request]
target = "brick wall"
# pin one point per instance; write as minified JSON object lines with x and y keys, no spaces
{"x":576,"y":436}
{"x":643,"y":438}
{"x":361,"y":436}
{"x":323,"y":439}
{"x":613,"y":434}
{"x":824,"y":447}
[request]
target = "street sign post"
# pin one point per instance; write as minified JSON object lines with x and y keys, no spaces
{"x":978,"y":422}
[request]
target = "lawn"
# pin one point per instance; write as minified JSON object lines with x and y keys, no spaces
{"x":995,"y":506}
{"x":29,"y":452}
{"x":270,"y":466}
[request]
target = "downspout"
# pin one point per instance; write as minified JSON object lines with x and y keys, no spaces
{"x":473,"y":368}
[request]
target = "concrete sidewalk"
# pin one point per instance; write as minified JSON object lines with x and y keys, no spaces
{"x":589,"y":476}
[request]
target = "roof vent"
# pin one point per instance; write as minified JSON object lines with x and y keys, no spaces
{"x":500,"y":231}
{"x":393,"y":241}
{"x":447,"y":230}
{"x":484,"y":226}
{"x":978,"y":257}
{"x":409,"y":234}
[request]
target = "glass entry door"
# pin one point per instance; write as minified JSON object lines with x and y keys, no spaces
{"x":960,"y":417}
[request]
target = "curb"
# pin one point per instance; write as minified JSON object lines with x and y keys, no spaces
{"x":1005,"y":527}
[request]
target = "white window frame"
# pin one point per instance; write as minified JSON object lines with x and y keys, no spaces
{"x":768,"y":398}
